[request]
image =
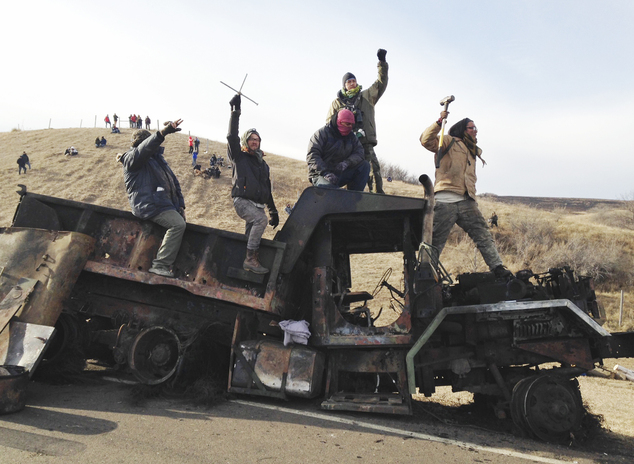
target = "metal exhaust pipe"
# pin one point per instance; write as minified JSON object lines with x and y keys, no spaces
{"x":428,"y":213}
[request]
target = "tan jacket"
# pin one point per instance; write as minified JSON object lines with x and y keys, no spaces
{"x":457,"y":171}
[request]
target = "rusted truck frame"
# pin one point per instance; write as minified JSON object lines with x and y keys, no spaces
{"x":487,"y":336}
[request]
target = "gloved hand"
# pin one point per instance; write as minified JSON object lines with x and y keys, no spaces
{"x":181,"y":211}
{"x":342,"y":166}
{"x":171,"y":127}
{"x":381,"y":54}
{"x":235,"y":102}
{"x":275,"y":219}
{"x":332,"y":178}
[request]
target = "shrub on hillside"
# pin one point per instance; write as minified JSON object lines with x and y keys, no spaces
{"x":397,"y":173}
{"x":535,"y":242}
{"x":540,"y":240}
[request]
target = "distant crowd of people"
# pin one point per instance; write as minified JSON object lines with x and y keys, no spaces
{"x":136,"y":122}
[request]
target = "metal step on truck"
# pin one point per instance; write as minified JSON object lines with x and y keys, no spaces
{"x":518,"y":342}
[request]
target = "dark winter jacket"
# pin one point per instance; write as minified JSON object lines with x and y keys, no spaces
{"x":250,"y":176}
{"x":327,"y":148}
{"x":151,"y":185}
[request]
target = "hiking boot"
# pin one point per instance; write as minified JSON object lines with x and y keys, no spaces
{"x":252,"y":264}
{"x":501,"y":272}
{"x":161,"y":271}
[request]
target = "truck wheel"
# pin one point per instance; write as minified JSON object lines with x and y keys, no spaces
{"x":154,"y":355}
{"x":548,"y":407}
{"x":65,"y":354}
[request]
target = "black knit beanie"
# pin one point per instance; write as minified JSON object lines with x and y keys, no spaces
{"x":347,"y":76}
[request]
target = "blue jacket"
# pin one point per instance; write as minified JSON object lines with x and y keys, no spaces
{"x":151,"y":185}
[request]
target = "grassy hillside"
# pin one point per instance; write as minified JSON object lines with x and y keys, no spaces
{"x":594,"y":237}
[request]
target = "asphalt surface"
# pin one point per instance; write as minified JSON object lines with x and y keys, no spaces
{"x":101,"y":422}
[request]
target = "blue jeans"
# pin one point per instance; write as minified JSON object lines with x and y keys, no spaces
{"x":355,"y":178}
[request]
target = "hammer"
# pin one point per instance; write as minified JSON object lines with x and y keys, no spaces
{"x":444,"y":102}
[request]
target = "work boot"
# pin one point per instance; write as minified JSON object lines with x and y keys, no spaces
{"x":501,"y":272}
{"x":251,"y":263}
{"x":162,"y":271}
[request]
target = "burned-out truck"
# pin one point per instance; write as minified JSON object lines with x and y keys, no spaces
{"x":517,"y":343}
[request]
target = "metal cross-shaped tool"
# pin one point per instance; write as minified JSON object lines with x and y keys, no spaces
{"x":239,"y":92}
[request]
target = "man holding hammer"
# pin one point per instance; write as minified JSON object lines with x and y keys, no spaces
{"x":454,"y":187}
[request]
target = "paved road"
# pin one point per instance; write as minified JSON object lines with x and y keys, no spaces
{"x":97,"y":423}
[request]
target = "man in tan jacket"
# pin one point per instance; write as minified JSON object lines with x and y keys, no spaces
{"x":455,"y":190}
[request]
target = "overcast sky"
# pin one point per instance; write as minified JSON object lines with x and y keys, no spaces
{"x":549,"y":84}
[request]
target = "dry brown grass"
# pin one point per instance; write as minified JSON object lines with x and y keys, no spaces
{"x":599,"y":241}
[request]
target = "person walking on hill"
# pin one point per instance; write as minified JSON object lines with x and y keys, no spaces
{"x":148,"y":121}
{"x":107,"y":120}
{"x":190,"y":142}
{"x":154,"y":192}
{"x":27,"y":162}
{"x":251,"y":186}
{"x":196,"y":144}
{"x":116,"y":118}
{"x":493,"y":220}
{"x":455,"y":191}
{"x":335,"y":156}
{"x":21,"y":165}
{"x":361,"y":103}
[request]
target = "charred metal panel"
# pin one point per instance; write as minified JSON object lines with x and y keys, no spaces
{"x":317,"y":203}
{"x":368,"y":381}
{"x":23,"y":344}
{"x":619,"y":345}
{"x":53,"y":258}
{"x":575,"y":352}
{"x":137,"y":305}
{"x":209,"y":262}
{"x":13,"y":301}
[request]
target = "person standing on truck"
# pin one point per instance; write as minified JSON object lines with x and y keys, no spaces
{"x":335,"y":156}
{"x":361,"y":103}
{"x":251,"y":186}
{"x":154,"y":192}
{"x":455,"y":191}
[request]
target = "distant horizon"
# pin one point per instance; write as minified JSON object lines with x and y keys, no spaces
{"x":483,"y":194}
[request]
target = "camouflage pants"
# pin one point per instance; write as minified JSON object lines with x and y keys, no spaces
{"x":466,"y":214}
{"x":375,"y":181}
